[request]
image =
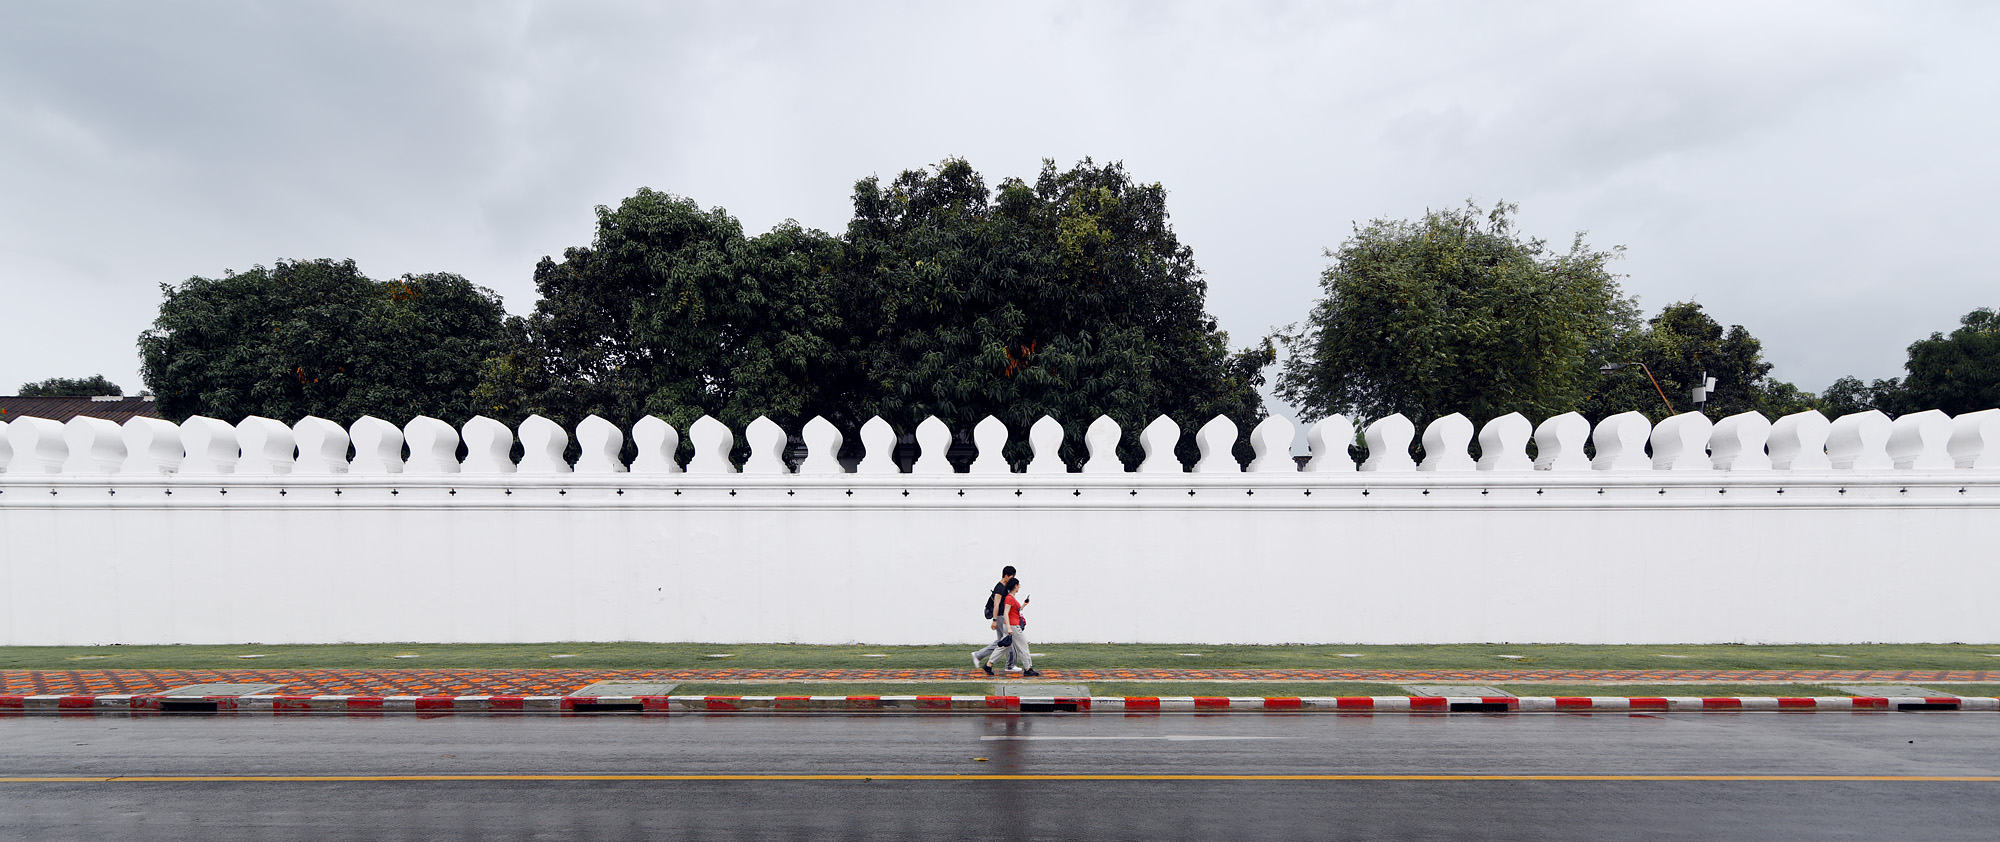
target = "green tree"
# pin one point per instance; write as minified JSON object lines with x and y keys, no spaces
{"x":1849,"y":395}
{"x":1070,"y":297}
{"x":672,"y":311}
{"x":58,"y":387}
{"x":318,"y":338}
{"x":1455,"y":312}
{"x":1678,"y":345}
{"x":1958,"y":373}
{"x":1781,"y":399}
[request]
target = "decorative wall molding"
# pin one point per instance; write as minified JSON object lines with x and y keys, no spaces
{"x":1744,"y":530}
{"x":1927,"y":441}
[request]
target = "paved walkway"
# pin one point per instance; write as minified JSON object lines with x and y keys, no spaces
{"x":556,"y":682}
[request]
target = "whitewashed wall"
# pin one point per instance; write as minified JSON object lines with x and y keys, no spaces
{"x":1744,"y":530}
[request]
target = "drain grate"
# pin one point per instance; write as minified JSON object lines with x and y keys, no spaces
{"x":221,"y":690}
{"x":1455,"y":690}
{"x":1889,"y":690}
{"x":625,"y":688}
{"x":1936,"y":700}
{"x":608,"y":707}
{"x":1037,"y":690}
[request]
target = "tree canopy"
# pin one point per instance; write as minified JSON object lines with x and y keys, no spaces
{"x":1070,"y":296}
{"x":672,"y":311}
{"x":317,"y":337}
{"x":1957,"y":373}
{"x":61,"y":387}
{"x":1677,"y":346}
{"x":1454,"y":312}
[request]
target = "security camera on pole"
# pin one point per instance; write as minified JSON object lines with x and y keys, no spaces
{"x":1705,"y":386}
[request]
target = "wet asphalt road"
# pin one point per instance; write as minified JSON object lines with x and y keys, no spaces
{"x":1906,"y":746}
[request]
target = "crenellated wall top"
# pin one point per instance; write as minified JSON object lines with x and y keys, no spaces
{"x":1624,"y":445}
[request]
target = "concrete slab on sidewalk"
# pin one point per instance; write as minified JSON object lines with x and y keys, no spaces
{"x":625,"y":688}
{"x":1454,"y":690}
{"x":1038,"y":689}
{"x":1888,"y":690}
{"x":221,"y":690}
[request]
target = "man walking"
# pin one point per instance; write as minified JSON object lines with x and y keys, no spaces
{"x":996,"y":610}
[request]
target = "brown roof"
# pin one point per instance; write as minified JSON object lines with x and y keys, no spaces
{"x":117,"y":410}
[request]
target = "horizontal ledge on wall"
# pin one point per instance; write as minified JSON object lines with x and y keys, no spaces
{"x":1142,"y":482}
{"x":1594,"y":490}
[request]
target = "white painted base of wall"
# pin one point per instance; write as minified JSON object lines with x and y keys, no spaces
{"x":1585,"y":558}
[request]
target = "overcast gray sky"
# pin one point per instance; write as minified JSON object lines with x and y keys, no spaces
{"x":1824,"y":173}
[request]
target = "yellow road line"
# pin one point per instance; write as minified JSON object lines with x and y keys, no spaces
{"x":975,"y":777}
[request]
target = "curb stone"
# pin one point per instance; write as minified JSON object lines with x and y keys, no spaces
{"x":276,"y":704}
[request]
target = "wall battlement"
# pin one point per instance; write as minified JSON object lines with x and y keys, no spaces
{"x":1620,"y":445}
{"x":1745,"y":530}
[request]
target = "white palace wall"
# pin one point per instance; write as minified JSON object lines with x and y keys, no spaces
{"x":207,"y":532}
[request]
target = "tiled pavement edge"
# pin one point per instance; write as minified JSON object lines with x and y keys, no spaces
{"x":559,"y":682}
{"x":482,"y":704}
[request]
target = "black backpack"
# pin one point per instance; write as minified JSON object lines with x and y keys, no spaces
{"x":987,"y":607}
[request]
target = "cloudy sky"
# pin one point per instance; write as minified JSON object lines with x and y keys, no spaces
{"x":1824,"y":173}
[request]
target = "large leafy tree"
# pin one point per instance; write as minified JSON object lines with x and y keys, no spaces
{"x":672,"y":311}
{"x":1957,"y":373}
{"x":1069,"y":297}
{"x":317,"y":337}
{"x":59,"y":387}
{"x":1850,"y":394}
{"x":1455,"y":312}
{"x":1678,"y":346}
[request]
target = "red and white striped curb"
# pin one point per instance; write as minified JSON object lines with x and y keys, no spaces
{"x":980,"y":704}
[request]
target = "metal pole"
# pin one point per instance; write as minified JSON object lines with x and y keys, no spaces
{"x":1656,"y":388}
